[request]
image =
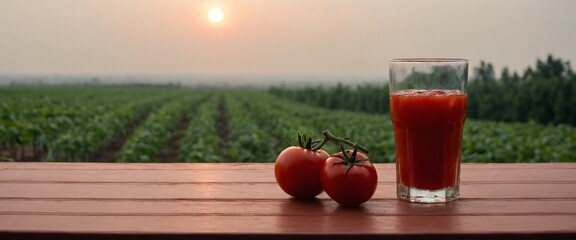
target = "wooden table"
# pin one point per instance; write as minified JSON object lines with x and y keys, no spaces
{"x":225,"y":201}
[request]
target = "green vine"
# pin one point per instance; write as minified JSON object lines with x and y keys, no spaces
{"x":306,"y":142}
{"x":328,"y":136}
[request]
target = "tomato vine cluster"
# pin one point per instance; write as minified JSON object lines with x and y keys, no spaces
{"x":305,"y":171}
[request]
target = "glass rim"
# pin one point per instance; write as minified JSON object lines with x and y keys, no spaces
{"x":429,"y":60}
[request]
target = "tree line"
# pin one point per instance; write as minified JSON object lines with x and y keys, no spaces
{"x":544,"y":93}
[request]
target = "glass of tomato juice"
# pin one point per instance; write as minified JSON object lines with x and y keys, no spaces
{"x":428,"y":109}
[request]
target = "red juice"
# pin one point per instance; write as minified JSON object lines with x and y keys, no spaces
{"x":428,"y":128}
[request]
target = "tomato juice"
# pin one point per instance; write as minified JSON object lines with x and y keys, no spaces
{"x":428,"y":127}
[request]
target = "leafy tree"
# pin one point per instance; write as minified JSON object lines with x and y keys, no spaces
{"x":544,"y":93}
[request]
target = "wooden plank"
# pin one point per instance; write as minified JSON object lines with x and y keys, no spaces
{"x":230,"y":200}
{"x":261,"y":175}
{"x":253,"y":190}
{"x":281,"y":207}
{"x":337,"y":224}
{"x":130,"y":166}
{"x":244,"y":166}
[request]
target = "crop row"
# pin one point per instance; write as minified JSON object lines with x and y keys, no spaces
{"x":66,"y":124}
{"x":37,"y":120}
{"x":247,"y":141}
{"x":83,"y":141}
{"x":232,"y":126}
{"x":483,"y":141}
{"x":201,"y":141}
{"x":149,"y":139}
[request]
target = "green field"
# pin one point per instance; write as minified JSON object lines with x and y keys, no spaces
{"x":123,"y":124}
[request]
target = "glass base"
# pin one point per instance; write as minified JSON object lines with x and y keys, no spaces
{"x":416,"y":195}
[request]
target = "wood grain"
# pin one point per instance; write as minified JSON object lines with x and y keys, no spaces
{"x":234,"y":173}
{"x":226,"y":201}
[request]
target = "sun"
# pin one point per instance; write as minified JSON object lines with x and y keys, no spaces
{"x":215,"y":15}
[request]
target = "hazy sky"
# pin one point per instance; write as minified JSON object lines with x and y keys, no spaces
{"x":335,"y":37}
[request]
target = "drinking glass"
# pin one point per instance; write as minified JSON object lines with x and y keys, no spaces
{"x":428,"y":109}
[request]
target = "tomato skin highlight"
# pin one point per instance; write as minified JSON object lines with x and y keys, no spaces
{"x":353,"y":188}
{"x":297,"y":171}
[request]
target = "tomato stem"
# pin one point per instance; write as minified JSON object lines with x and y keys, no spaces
{"x":305,"y":142}
{"x":351,"y":160}
{"x":328,"y":136}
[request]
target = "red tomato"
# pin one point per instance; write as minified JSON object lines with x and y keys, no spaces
{"x":297,"y":171}
{"x":352,"y":186}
